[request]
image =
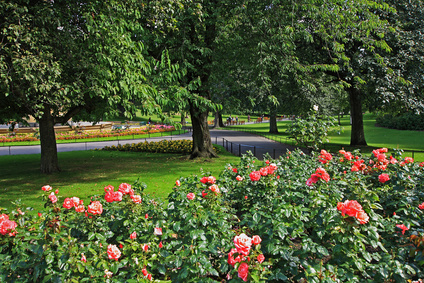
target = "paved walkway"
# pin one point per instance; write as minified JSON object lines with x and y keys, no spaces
{"x":234,"y":141}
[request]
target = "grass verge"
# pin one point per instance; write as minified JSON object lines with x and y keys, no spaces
{"x":86,"y":173}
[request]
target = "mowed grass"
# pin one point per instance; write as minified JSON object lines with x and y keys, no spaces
{"x":86,"y":173}
{"x":376,"y":137}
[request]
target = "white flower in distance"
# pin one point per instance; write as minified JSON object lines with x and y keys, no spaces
{"x":316,"y":107}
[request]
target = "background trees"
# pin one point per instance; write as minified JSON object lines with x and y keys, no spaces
{"x":61,"y":58}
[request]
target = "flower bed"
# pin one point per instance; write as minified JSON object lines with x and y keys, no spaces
{"x":72,"y":135}
{"x":164,"y":146}
{"x":320,"y":218}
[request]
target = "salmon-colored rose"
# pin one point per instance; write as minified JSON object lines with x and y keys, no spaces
{"x":214,"y":188}
{"x":136,"y":198}
{"x":362,"y":217}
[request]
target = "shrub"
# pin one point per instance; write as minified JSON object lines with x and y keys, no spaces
{"x":407,"y":121}
{"x":300,"y":218}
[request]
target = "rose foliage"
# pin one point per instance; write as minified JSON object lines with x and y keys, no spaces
{"x":295,"y":219}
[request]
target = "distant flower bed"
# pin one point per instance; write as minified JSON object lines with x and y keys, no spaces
{"x":164,"y":146}
{"x":72,"y":135}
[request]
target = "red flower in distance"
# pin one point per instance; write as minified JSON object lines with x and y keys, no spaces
{"x":177,"y":183}
{"x":325,"y":156}
{"x":125,"y":189}
{"x":109,"y":188}
{"x":68,"y":203}
{"x":255,"y":176}
{"x":133,"y":235}
{"x":263,"y":171}
{"x":157,"y":231}
{"x":421,"y":206}
{"x":204,"y":194}
{"x":403,"y":227}
{"x":383,"y":178}
{"x":256,"y":240}
{"x":239,"y":178}
{"x":46,"y":188}
{"x":136,"y":198}
{"x":214,"y":188}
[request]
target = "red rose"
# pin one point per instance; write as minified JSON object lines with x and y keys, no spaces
{"x":235,"y":170}
{"x":95,"y":208}
{"x":231,"y":260}
{"x":46,"y":188}
{"x":160,"y":245}
{"x":243,"y":271}
{"x":144,"y":271}
{"x":204,"y":194}
{"x":83,"y":258}
{"x":211,"y":180}
{"x":263,"y":171}
{"x":421,"y":206}
{"x":177,"y":183}
{"x":261,"y":258}
{"x":80,"y":208}
{"x":110,"y":196}
{"x":239,"y":178}
{"x":157,"y":231}
{"x":76,"y":201}
{"x":7,"y":226}
{"x":68,"y":203}
{"x":243,"y":244}
{"x":255,"y":176}
{"x":214,"y":188}
{"x":133,"y":235}
{"x":384,"y":178}
{"x":190,"y":196}
{"x":113,"y":252}
{"x":109,"y":188}
{"x":403,"y":227}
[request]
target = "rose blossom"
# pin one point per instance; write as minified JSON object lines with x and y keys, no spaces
{"x":80,"y":208}
{"x":214,"y":188}
{"x":256,"y":240}
{"x":95,"y":208}
{"x":263,"y":171}
{"x":160,"y":245}
{"x":113,"y":252}
{"x":421,"y":206}
{"x":190,"y":196}
{"x":177,"y":183}
{"x":53,"y":198}
{"x":133,"y":235}
{"x":125,"y":188}
{"x":384,"y":178}
{"x":46,"y":188}
{"x":109,"y":188}
{"x":68,"y":203}
{"x":243,"y":271}
{"x":243,"y":244}
{"x":7,"y":226}
{"x":144,"y":271}
{"x":211,"y":180}
{"x":108,"y":274}
{"x":235,"y":170}
{"x":204,"y":194}
{"x":83,"y":258}
{"x":239,"y":178}
{"x":136,"y":198}
{"x":261,"y":258}
{"x":157,"y":231}
{"x":255,"y":176}
{"x":362,"y":217}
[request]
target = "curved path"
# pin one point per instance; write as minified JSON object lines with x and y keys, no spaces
{"x":233,"y":141}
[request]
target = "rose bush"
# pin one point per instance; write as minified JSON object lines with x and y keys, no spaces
{"x":345,"y":225}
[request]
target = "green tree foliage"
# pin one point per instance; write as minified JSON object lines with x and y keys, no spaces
{"x":60,"y":59}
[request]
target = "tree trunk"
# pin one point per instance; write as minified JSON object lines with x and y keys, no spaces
{"x":357,"y":136}
{"x":273,"y":122}
{"x":202,"y":144}
{"x":49,"y":161}
{"x":218,"y":119}
{"x":183,"y":121}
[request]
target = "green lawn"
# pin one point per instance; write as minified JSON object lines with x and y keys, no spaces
{"x":340,"y":137}
{"x":86,"y":173}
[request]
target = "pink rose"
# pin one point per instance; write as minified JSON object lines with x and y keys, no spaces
{"x":113,"y":252}
{"x":95,"y":208}
{"x":190,"y":196}
{"x":255,"y":176}
{"x":53,"y":198}
{"x":243,"y":271}
{"x":243,"y":244}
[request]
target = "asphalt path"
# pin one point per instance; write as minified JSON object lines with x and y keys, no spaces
{"x":235,"y":142}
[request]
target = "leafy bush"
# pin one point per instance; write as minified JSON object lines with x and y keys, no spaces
{"x":322,"y":218}
{"x":408,"y":121}
{"x":310,"y":132}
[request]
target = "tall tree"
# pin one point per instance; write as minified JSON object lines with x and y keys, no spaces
{"x":61,"y":58}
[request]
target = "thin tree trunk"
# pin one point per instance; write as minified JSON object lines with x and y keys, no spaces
{"x":357,"y":136}
{"x":218,"y":119}
{"x":49,"y":160}
{"x":183,"y":121}
{"x":202,"y":144}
